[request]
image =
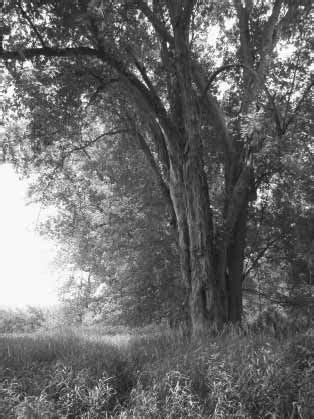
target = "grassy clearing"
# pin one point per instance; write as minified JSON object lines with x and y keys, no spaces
{"x":85,"y":374}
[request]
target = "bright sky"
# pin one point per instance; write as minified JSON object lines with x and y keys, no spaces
{"x":26,"y":274}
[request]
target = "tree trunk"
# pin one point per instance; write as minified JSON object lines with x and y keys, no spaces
{"x":176,"y":185}
{"x":204,"y":305}
{"x":195,"y":246}
{"x":205,"y":309}
{"x":235,"y":260}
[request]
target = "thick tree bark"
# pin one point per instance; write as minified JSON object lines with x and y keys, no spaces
{"x":204,"y":305}
{"x":194,"y":242}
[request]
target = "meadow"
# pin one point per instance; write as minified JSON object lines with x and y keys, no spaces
{"x":91,"y":373}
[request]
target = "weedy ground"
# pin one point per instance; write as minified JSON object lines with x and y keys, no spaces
{"x":80,"y":373}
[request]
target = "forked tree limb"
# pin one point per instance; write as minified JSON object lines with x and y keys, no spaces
{"x":215,"y":74}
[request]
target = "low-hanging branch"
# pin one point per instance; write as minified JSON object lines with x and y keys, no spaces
{"x":95,"y":140}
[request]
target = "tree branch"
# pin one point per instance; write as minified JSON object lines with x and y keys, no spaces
{"x":30,"y":53}
{"x":162,"y":184}
{"x":216,"y":73}
{"x":161,"y":147}
{"x":292,"y":85}
{"x":259,"y":256}
{"x":215,"y":114}
{"x":243,"y":16}
{"x":187,"y":11}
{"x":237,"y":200}
{"x":306,"y":91}
{"x":32,"y":25}
{"x":163,"y":157}
{"x":152,"y":100}
{"x":268,"y":39}
{"x":141,"y":68}
{"x":159,"y":27}
{"x":277,"y":115}
{"x":100,"y":137}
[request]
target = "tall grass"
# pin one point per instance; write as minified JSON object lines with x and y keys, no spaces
{"x":79,"y":374}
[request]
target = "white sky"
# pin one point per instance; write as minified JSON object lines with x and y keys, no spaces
{"x":26,"y":275}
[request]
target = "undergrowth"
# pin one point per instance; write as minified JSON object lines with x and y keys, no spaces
{"x":74,"y":374}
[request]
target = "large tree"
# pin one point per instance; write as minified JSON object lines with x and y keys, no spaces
{"x":153,"y":70}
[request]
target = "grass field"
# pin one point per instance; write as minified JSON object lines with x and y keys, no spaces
{"x":81,"y":373}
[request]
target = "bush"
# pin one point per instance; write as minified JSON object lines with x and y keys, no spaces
{"x":25,"y":320}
